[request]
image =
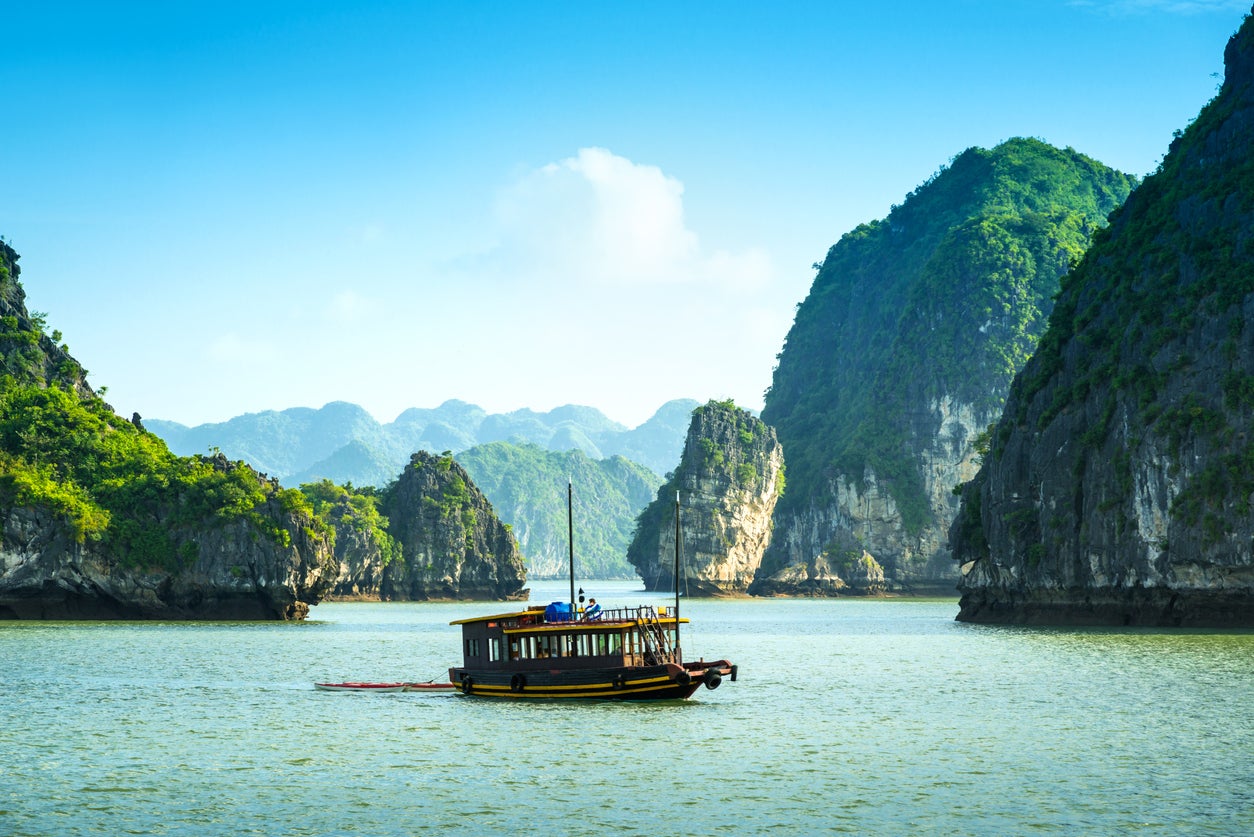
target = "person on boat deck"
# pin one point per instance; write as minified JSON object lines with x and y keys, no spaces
{"x":593,"y":611}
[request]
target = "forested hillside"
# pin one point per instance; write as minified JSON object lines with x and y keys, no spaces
{"x":905,"y":348}
{"x":1118,"y":483}
{"x":527,"y":486}
{"x":344,"y":443}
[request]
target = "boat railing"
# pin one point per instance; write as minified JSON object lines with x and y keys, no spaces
{"x":654,"y":638}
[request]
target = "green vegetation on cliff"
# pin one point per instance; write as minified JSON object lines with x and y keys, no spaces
{"x":1146,"y":372}
{"x":109,"y":481}
{"x":454,"y":544}
{"x":944,"y":298}
{"x":726,"y":464}
{"x":354,"y":508}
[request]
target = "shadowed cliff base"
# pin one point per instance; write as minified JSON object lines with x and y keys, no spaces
{"x":1149,"y":607}
{"x":57,"y":603}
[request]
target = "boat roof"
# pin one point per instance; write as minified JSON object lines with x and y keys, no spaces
{"x":565,"y":624}
{"x":513,"y":615}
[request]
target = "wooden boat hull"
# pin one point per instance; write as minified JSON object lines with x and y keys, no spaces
{"x":661,"y":682}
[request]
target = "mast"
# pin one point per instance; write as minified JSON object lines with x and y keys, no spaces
{"x":679,"y":657}
{"x":570,"y":537}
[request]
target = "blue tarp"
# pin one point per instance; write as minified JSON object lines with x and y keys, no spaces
{"x":558,"y":612}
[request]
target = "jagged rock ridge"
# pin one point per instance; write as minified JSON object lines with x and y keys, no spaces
{"x":344,"y":443}
{"x":1118,"y":486}
{"x":728,"y":480}
{"x":903,"y":353}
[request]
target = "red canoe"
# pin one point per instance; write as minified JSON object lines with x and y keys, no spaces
{"x":380,"y":687}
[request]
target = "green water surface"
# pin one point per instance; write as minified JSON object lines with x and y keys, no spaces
{"x":849,"y":716}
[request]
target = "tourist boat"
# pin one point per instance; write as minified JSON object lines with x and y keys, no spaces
{"x":563,"y":651}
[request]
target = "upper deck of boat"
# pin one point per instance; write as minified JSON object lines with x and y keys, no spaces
{"x":533,"y":619}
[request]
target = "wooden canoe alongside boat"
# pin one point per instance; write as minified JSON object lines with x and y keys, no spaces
{"x":382,"y":687}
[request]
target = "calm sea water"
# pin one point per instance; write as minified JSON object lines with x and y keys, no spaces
{"x":881,"y":717}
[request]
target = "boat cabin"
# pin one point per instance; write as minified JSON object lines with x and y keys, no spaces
{"x":544,"y":638}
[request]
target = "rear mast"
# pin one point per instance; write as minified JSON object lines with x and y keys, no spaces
{"x":570,"y":538}
{"x":679,"y":654}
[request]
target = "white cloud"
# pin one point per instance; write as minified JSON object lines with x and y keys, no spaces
{"x":601,"y":218}
{"x":597,"y":291}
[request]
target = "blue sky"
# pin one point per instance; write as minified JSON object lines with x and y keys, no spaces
{"x":232,"y":207}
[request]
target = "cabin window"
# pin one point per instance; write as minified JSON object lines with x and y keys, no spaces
{"x":472,"y":648}
{"x":581,"y":645}
{"x":494,"y":649}
{"x":514,"y":650}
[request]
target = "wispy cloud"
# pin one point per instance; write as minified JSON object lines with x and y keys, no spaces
{"x":348,"y":306}
{"x":599,"y":217}
{"x":1176,"y":7}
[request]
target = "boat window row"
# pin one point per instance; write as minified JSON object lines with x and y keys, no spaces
{"x":582,"y":644}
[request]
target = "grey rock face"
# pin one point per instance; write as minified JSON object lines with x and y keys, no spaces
{"x":1118,"y":488}
{"x":239,"y":572}
{"x":729,"y":480}
{"x":903,"y":353}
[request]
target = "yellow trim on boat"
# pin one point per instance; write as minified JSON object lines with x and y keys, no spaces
{"x":603,"y":691}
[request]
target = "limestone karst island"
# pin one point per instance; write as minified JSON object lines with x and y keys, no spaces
{"x":1031,"y":383}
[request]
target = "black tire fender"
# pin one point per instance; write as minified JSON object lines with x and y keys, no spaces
{"x":683,"y":678}
{"x":712,"y":679}
{"x":517,"y":683}
{"x":468,"y":684}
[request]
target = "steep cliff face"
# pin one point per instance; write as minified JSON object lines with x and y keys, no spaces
{"x":1118,"y":485}
{"x":361,"y":558}
{"x":903,"y":354}
{"x":26,"y":353}
{"x":363,"y":547}
{"x":98,"y":520}
{"x":269,"y":565}
{"x":729,"y":479}
{"x":453,"y":546}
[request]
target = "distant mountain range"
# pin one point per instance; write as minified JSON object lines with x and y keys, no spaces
{"x":344,"y":443}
